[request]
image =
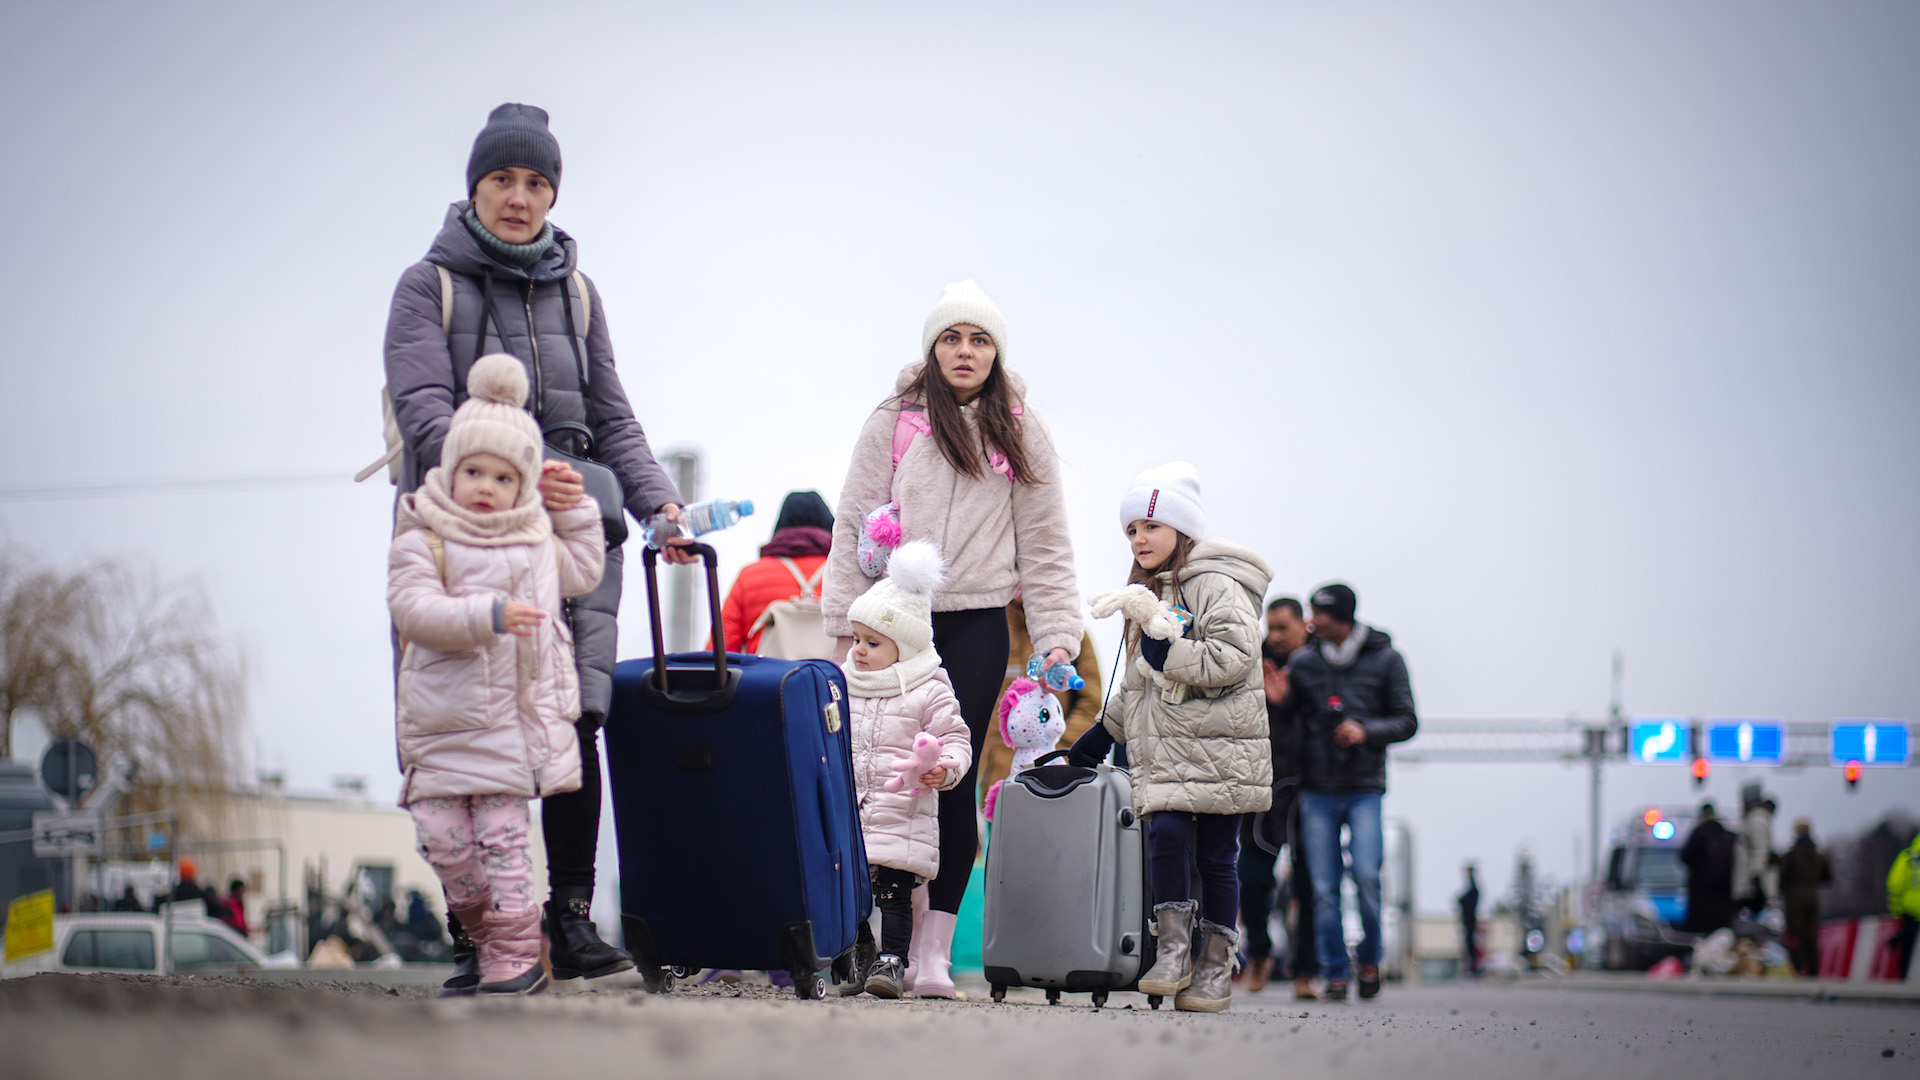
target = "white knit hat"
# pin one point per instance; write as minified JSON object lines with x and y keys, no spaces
{"x":494,"y":420}
{"x":900,"y":605}
{"x":1168,"y":494}
{"x":963,"y":302}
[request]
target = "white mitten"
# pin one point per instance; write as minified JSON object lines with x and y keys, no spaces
{"x":1163,"y":623}
{"x":1136,"y":602}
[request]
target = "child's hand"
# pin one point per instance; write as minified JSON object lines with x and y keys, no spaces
{"x":934,"y":777}
{"x":522,"y":619}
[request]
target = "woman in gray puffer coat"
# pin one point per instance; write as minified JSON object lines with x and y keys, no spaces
{"x":500,"y":278}
{"x":1192,"y":711}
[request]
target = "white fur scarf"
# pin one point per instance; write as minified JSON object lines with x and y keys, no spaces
{"x":527,"y":523}
{"x":895,"y":679}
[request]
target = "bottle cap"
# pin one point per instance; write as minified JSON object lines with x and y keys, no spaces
{"x":746,"y":507}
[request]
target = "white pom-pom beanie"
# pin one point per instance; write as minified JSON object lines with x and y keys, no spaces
{"x":494,"y":420}
{"x":900,"y":605}
{"x":963,"y":302}
{"x":1168,"y":494}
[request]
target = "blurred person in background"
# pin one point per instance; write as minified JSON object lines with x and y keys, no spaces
{"x":1469,"y":901}
{"x":1349,"y":698}
{"x":1708,"y":856}
{"x":792,"y":565}
{"x":1753,"y":856}
{"x":1903,"y":900}
{"x":235,"y":909}
{"x":1803,"y":870}
{"x":1262,"y":835}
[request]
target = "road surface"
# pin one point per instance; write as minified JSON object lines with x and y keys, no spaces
{"x":54,"y":1027}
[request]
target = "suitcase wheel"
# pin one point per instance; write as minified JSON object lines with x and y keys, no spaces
{"x":809,"y":986}
{"x":1053,"y":997}
{"x":999,"y":992}
{"x":1154,"y":1000}
{"x":1099,"y":999}
{"x":657,"y":981}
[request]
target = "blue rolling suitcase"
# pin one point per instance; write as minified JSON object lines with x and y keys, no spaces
{"x":739,"y":836}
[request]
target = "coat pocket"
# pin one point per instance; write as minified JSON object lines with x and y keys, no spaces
{"x":443,"y":692}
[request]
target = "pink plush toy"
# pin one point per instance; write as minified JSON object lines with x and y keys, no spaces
{"x":879,"y":535}
{"x":1032,"y":722}
{"x":926,"y":754}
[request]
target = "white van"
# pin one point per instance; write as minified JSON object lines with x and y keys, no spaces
{"x":184,"y":942}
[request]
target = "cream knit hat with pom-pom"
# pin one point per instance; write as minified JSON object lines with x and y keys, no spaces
{"x":494,"y":420}
{"x":900,"y":605}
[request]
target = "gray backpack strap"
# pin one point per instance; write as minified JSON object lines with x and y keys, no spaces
{"x":586,"y":303}
{"x":446,"y":299}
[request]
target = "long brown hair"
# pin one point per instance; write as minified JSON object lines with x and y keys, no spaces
{"x":1140,"y":575}
{"x":993,"y":406}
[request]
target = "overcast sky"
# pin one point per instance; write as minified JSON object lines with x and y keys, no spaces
{"x":1553,"y":329}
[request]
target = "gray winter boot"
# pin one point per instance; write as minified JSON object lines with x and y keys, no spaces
{"x":1173,"y":957}
{"x":1212,"y":986}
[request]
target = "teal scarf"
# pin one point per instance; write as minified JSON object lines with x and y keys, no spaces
{"x":512,"y":254}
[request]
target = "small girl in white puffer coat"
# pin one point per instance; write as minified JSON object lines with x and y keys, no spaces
{"x":899,"y":691}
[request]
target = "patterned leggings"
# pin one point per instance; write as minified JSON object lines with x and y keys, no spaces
{"x":477,"y":844}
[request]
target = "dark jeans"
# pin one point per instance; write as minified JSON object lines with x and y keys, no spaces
{"x":1322,"y":813}
{"x":893,"y":895}
{"x":1803,"y":937}
{"x":1259,"y":893}
{"x":1470,"y":947}
{"x":973,"y":648}
{"x":1903,"y":939}
{"x":1178,"y":842}
{"x":570,"y":822}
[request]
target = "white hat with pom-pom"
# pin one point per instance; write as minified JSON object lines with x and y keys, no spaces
{"x":900,"y":605}
{"x":494,"y":420}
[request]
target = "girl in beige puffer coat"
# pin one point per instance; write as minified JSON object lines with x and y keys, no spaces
{"x":909,"y":741}
{"x":1191,"y":708}
{"x":487,"y":688}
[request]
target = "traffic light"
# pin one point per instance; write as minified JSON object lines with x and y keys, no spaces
{"x":1701,"y":767}
{"x":1852,"y":773}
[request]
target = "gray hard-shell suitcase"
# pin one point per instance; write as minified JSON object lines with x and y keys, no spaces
{"x":1066,"y":886}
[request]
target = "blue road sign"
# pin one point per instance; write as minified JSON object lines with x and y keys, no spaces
{"x":1869,"y":742}
{"x":1659,"y":740}
{"x":1746,"y":742}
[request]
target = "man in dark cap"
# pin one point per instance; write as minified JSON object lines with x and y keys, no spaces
{"x":1803,"y":870}
{"x":1349,"y":698}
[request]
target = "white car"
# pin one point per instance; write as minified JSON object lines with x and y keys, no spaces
{"x":194,"y":944}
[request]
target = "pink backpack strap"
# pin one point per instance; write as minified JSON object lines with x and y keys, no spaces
{"x":907,"y":426}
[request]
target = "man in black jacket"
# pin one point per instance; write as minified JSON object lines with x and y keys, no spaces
{"x":1263,"y":834}
{"x":1348,"y":699}
{"x":1708,"y":857}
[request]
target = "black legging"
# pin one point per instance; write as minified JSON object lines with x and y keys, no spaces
{"x":570,"y":822}
{"x":973,"y":648}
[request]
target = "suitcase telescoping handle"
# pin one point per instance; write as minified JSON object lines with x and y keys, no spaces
{"x":651,"y":558}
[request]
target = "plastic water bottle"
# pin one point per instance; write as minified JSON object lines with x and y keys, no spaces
{"x":696,"y":520}
{"x":1056,"y":676}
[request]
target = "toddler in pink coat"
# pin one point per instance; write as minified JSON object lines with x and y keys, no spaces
{"x":899,"y":691}
{"x":487,"y":688}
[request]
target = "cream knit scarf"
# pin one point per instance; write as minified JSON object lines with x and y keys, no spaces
{"x":895,"y":679}
{"x":526,"y":523}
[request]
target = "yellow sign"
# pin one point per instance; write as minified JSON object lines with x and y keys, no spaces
{"x":30,"y":925}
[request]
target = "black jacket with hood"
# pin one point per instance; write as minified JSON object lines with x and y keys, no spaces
{"x":1373,"y":690}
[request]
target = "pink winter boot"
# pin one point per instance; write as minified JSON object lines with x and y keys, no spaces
{"x":935,"y":956}
{"x":913,"y":950}
{"x":510,"y":955}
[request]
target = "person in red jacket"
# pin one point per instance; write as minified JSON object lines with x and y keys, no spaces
{"x":801,"y":536}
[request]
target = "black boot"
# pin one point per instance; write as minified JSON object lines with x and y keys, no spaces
{"x":466,"y":962}
{"x":572,"y":942}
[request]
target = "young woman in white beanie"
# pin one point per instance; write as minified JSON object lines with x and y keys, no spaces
{"x":1192,"y":711}
{"x":971,"y":468}
{"x":487,"y":690}
{"x":903,"y":711}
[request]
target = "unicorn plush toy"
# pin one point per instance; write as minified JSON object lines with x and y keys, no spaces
{"x":1031,"y":721}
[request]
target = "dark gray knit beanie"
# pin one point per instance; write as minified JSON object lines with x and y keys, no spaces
{"x":515,"y":135}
